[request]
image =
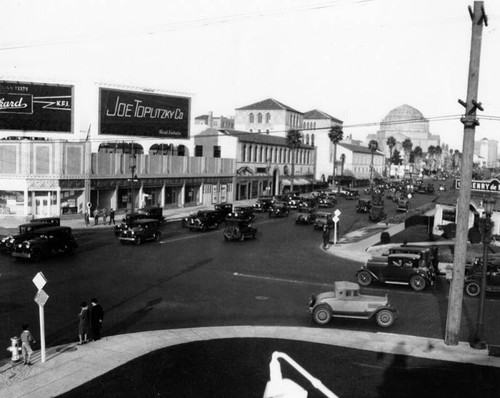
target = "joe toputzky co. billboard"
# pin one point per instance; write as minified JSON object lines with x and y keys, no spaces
{"x":143,"y":114}
{"x":35,"y":107}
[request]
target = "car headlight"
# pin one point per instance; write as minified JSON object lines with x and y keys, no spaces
{"x":27,"y":245}
{"x":5,"y":239}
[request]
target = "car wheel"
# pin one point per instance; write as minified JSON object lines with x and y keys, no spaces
{"x":385,"y":318}
{"x":36,"y":255}
{"x":137,"y":240}
{"x":417,"y":283}
{"x":322,"y":314}
{"x":473,"y":289}
{"x":364,"y":278}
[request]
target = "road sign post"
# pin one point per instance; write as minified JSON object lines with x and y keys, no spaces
{"x":335,"y":221}
{"x":41,"y":298}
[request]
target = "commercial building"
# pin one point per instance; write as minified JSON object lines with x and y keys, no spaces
{"x":71,"y":147}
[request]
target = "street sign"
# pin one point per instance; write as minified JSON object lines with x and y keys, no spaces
{"x":335,"y":219}
{"x":337,"y":212}
{"x":40,"y":281}
{"x":41,"y":298}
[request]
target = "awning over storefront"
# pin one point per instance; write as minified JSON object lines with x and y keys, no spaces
{"x":296,"y":181}
{"x":286,"y":182}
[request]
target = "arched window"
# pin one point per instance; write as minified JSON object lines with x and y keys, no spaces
{"x":251,"y":118}
{"x":260,"y":154}
{"x":312,"y":139}
{"x":268,"y":117}
{"x":254,"y":153}
{"x":243,"y":152}
{"x":259,"y":117}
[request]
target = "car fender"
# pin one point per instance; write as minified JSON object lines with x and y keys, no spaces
{"x":385,"y":307}
{"x":375,"y":276}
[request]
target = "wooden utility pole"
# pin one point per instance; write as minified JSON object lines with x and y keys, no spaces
{"x":470,"y":122}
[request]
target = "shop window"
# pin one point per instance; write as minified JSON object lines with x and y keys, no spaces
{"x":449,"y":215}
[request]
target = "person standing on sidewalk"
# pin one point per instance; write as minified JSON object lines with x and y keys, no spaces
{"x":87,"y":218}
{"x":96,"y":318}
{"x":96,"y":216}
{"x":111,"y":216}
{"x":104,"y":216}
{"x":327,"y":229}
{"x":26,"y":341}
{"x":83,"y":324}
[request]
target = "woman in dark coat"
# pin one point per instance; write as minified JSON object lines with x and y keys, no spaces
{"x":84,"y":324}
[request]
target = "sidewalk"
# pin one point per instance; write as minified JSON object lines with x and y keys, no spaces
{"x":69,"y":366}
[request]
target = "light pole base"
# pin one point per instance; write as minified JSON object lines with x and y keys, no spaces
{"x":478,"y":344}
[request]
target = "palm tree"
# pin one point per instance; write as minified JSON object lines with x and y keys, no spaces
{"x":373,"y":146}
{"x":294,"y":139}
{"x":417,"y":155}
{"x":431,"y":151}
{"x":336,"y":135}
{"x":391,"y":143}
{"x":407,"y":145}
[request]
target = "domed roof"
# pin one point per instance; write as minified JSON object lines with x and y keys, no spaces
{"x":403,"y":113}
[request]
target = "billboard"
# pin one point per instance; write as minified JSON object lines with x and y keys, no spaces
{"x":36,"y":107}
{"x":143,"y":114}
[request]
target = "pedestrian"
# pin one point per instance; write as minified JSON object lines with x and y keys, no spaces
{"x":83,"y":324}
{"x":96,"y":318}
{"x":96,"y":216}
{"x":26,"y":341}
{"x":87,"y":218}
{"x":104,"y":216}
{"x":326,"y":235}
{"x":111,"y":216}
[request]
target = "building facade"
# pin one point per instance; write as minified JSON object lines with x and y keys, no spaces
{"x":265,"y":164}
{"x":487,"y":152}
{"x":65,"y":148}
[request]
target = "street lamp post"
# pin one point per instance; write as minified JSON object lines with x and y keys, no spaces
{"x":485,"y":226}
{"x":132,"y":179}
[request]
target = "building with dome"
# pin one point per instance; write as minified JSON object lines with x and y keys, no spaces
{"x":401,"y":123}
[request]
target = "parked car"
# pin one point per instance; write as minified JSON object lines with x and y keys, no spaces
{"x":322,"y":218}
{"x":306,"y":204}
{"x":48,"y":221}
{"x":349,"y":194}
{"x":306,"y":218}
{"x":327,"y":201}
{"x":473,"y":283}
{"x":141,"y":231}
{"x":242,"y":212}
{"x":345,"y":301}
{"x":279,"y":209}
{"x":263,"y":204}
{"x":46,"y":242}
{"x":403,"y":205}
{"x":363,"y":206}
{"x":238,"y":229}
{"x":428,"y":254}
{"x":26,"y":232}
{"x":400,"y":268}
{"x":204,"y":220}
{"x":152,"y":212}
{"x":127,"y":220}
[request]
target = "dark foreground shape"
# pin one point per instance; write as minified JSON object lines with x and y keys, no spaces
{"x":240,"y":368}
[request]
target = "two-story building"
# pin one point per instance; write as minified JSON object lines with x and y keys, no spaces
{"x":265,"y":164}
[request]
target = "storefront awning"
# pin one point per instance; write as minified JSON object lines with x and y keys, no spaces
{"x":286,"y":182}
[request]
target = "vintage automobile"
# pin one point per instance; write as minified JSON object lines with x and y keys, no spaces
{"x":141,"y":231}
{"x":127,"y":220}
{"x":327,"y":201}
{"x":345,"y":301}
{"x":48,"y":221}
{"x":403,"y":205}
{"x":239,"y":229}
{"x":224,"y":209}
{"x":242,"y":212}
{"x":306,"y":218}
{"x":263,"y":204}
{"x":321,"y":219}
{"x":26,"y":232}
{"x":279,"y":209}
{"x":349,"y":194}
{"x":363,"y":206}
{"x":473,"y":283}
{"x":428,"y":254}
{"x":46,"y":242}
{"x":204,"y":220}
{"x":400,"y":269}
{"x":306,"y":204}
{"x":152,"y":212}
{"x":377,"y":212}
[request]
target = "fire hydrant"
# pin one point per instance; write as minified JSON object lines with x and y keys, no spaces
{"x":15,"y":348}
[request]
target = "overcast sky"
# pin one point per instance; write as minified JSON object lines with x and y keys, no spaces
{"x":356,"y":60}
